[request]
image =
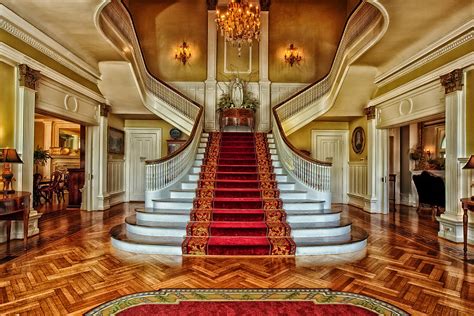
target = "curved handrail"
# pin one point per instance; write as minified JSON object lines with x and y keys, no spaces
{"x":116,"y":13}
{"x":117,"y":25}
{"x":364,"y":18}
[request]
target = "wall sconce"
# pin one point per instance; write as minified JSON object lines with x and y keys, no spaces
{"x":183,"y":53}
{"x":292,"y":56}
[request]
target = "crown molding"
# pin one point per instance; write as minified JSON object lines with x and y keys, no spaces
{"x":463,"y":62}
{"x":444,"y":45}
{"x":14,"y":58}
{"x":23,"y":30}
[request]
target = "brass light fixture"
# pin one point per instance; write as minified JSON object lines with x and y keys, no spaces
{"x":292,"y":56}
{"x":470,"y":165}
{"x":183,"y":53}
{"x":240,"y":25}
{"x":7,"y":157}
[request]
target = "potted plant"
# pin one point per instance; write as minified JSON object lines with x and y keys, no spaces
{"x":40,"y":157}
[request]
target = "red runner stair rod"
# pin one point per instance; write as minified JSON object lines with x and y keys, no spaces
{"x":237,"y":210}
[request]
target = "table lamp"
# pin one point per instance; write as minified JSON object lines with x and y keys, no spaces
{"x":470,"y":165}
{"x":7,"y":157}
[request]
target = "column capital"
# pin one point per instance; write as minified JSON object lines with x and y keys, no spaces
{"x":28,"y":76}
{"x":370,"y":112}
{"x":211,"y":5}
{"x":452,"y":81}
{"x":265,"y":5}
{"x":104,"y":109}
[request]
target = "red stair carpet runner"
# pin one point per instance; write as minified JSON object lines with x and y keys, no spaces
{"x":237,"y":210}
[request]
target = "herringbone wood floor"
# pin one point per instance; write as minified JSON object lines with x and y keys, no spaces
{"x":71,"y":267}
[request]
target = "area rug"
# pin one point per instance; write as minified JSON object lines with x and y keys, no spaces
{"x":237,"y":209}
{"x":318,"y":302}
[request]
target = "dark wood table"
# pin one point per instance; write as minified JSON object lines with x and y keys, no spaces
{"x":16,"y":206}
{"x":237,"y":117}
{"x":467,"y":205}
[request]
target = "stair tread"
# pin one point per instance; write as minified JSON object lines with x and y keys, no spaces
{"x":312,"y":212}
{"x":301,"y":201}
{"x":321,"y":225}
{"x":132,"y":220}
{"x":119,"y":232}
{"x":178,"y":200}
{"x":150,"y":210}
{"x":357,"y":234}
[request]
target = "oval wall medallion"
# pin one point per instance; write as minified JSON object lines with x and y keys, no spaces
{"x":405,"y":107}
{"x":70,"y":103}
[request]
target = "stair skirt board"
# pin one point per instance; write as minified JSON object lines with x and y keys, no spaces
{"x":237,"y":201}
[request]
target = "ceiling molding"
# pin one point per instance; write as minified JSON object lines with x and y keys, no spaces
{"x":14,"y":57}
{"x":444,"y":45}
{"x":433,"y":76}
{"x":23,"y":30}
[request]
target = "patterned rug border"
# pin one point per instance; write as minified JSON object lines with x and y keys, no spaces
{"x":175,"y":296}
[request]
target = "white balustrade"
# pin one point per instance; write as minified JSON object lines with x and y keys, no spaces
{"x":362,"y":20}
{"x":315,"y":174}
{"x":116,"y":12}
{"x":162,"y":172}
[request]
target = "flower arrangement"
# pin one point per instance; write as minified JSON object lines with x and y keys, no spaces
{"x":248,"y":100}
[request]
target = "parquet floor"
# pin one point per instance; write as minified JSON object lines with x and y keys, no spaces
{"x":71,"y":267}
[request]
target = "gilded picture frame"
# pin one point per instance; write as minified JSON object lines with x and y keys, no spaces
{"x":115,"y":141}
{"x":358,"y":140}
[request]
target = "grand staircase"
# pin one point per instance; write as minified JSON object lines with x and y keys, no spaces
{"x":237,"y":199}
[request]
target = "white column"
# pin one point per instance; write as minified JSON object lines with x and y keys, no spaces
{"x":457,"y":180}
{"x":24,"y":143}
{"x":100,"y":196}
{"x":377,"y":165}
{"x":210,"y":123}
{"x":264,"y":112}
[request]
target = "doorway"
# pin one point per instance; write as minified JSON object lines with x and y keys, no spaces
{"x":141,"y":144}
{"x":59,"y":161}
{"x":332,"y":146}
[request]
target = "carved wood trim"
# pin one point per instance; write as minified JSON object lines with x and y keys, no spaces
{"x":105,"y":109}
{"x":28,"y":76}
{"x":452,"y":81}
{"x":211,"y":5}
{"x":265,"y":5}
{"x":370,"y":112}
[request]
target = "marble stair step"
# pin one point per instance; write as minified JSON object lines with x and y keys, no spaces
{"x":355,"y":241}
{"x":123,"y":240}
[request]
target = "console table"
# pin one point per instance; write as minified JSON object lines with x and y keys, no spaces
{"x":16,"y":206}
{"x":467,"y":205}
{"x":236,"y":117}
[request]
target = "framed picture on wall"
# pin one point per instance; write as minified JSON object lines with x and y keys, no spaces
{"x":358,"y":140}
{"x":115,"y":141}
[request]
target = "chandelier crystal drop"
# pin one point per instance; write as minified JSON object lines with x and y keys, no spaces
{"x":240,"y":25}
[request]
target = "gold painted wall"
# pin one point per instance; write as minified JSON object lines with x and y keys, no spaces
{"x":362,"y":121}
{"x":39,"y":135}
{"x":470,"y":113}
{"x":162,"y":26}
{"x":301,"y":139}
{"x":236,"y":63}
{"x":165,"y":130}
{"x":314,"y":27}
{"x":460,"y":51}
{"x":7,"y":105}
{"x":26,"y":49}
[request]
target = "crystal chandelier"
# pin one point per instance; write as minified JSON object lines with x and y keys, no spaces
{"x":240,"y":25}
